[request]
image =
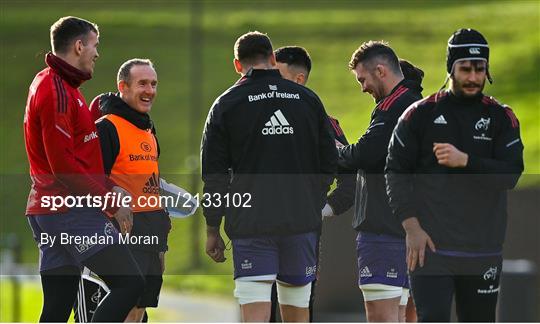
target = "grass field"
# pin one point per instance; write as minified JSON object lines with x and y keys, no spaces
{"x":331,"y":31}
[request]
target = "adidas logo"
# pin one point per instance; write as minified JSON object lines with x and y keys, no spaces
{"x":152,"y":185}
{"x":440,"y":120}
{"x":365,"y":273}
{"x":277,"y":125}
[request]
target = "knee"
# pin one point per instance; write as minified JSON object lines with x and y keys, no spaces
{"x":297,"y":296}
{"x":248,"y":292}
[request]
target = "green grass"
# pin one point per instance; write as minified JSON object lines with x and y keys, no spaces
{"x":31,"y":301}
{"x":331,"y":31}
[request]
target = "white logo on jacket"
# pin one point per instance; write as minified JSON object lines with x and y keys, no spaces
{"x":482,"y":124}
{"x":440,"y":120}
{"x":277,"y":125}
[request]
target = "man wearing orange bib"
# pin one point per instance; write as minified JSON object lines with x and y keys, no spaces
{"x":130,"y":156}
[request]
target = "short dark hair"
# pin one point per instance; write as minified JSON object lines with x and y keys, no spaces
{"x":370,"y":51}
{"x":125,"y":69}
{"x":66,"y":29}
{"x":411,"y":72}
{"x":252,"y":48}
{"x":294,"y":55}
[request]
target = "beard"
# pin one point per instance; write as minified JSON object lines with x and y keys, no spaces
{"x":459,"y":88}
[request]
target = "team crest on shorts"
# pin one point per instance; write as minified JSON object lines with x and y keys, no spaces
{"x":491,"y":273}
{"x":109,"y":229}
{"x":392,"y":273}
{"x":246,"y":265}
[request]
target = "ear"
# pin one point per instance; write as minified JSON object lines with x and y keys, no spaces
{"x":273,"y":60}
{"x":301,"y":78}
{"x":121,"y":86}
{"x":237,"y":66}
{"x":380,"y":70}
{"x":78,"y":47}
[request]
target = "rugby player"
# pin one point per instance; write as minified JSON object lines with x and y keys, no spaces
{"x":382,"y":272}
{"x":267,"y":138}
{"x":452,"y":157}
{"x":65,"y":160}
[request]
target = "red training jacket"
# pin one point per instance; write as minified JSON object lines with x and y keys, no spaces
{"x":61,"y":139}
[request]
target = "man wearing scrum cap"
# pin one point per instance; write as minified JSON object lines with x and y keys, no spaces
{"x":452,"y":157}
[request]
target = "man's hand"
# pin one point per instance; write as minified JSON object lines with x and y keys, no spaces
{"x":215,"y":246}
{"x":416,"y":241}
{"x":123,"y":215}
{"x":448,"y":155}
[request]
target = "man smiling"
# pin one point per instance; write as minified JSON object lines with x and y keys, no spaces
{"x":130,"y":156}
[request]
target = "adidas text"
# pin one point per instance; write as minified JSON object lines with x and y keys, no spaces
{"x":277,"y":125}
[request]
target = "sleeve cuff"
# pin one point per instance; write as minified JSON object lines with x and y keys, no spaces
{"x":406,"y":213}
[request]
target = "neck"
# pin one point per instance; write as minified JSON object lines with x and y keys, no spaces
{"x":392,"y":82}
{"x":70,"y":59}
{"x":259,"y":66}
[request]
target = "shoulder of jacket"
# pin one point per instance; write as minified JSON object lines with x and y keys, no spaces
{"x":502,"y":109}
{"x":422,"y":106}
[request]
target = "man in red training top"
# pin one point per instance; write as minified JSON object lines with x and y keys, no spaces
{"x":65,"y":164}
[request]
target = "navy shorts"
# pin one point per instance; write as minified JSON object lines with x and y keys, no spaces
{"x":291,"y":259}
{"x":78,"y":234}
{"x":381,"y":260}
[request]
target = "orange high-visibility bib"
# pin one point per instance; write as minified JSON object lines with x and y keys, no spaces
{"x":136,"y":166}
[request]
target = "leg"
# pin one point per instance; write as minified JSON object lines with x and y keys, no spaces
{"x":135,"y":315}
{"x":384,"y":310}
{"x":294,"y":302}
{"x":115,"y":265}
{"x":150,"y":265}
{"x":312,"y":299}
{"x":410,"y":312}
{"x":476,"y":299}
{"x":254,"y":299}
{"x":402,"y":313}
{"x":382,"y":275}
{"x":382,"y":302}
{"x":433,"y":297}
{"x":403,"y":302}
{"x":59,"y":293}
{"x":477,"y":289}
{"x":255,"y":270}
{"x":273,"y":307}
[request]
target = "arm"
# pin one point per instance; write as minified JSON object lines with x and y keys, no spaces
{"x":502,"y":170}
{"x":400,"y":166}
{"x":371,"y":148}
{"x":327,"y":154}
{"x":110,"y":144}
{"x":58,"y":139}
{"x":215,"y":161}
{"x":342,"y":198}
{"x":506,"y":165}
